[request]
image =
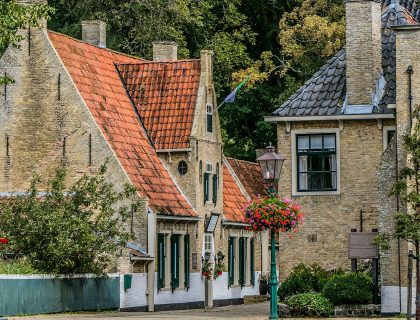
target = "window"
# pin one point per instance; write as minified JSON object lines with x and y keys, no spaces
{"x":241,"y":262}
{"x":214,"y":189}
{"x":175,"y":257}
{"x":316,"y":162}
{"x":209,"y":118}
{"x":388,"y":134}
{"x":206,"y":187}
{"x":182,"y":167}
{"x":173,"y":261}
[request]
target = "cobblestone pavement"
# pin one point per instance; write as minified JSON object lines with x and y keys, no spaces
{"x":252,"y":311}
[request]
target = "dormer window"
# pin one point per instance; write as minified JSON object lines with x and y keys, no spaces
{"x":209,"y":118}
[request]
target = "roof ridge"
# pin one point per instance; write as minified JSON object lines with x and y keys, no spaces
{"x":246,"y":161}
{"x":159,"y":62}
{"x":87,"y":43}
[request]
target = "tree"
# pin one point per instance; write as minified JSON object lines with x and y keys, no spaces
{"x":407,"y":224}
{"x":14,"y":17}
{"x":68,"y":231}
{"x":311,"y":33}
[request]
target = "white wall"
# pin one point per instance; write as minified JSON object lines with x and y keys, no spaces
{"x":136,"y":296}
{"x":222,"y":292}
{"x":390,"y":300}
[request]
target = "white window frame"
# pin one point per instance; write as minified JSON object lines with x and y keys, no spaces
{"x":385,"y":131}
{"x":294,"y":134}
{"x":167,"y":258}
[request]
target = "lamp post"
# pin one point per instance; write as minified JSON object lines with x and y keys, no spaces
{"x":271,"y":164}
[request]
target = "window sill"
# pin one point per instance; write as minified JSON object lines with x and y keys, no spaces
{"x":316,"y":193}
{"x":170,"y":289}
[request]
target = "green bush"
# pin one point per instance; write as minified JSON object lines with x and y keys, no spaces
{"x":20,"y":266}
{"x":304,"y":279}
{"x":349,"y":288}
{"x":310,"y":304}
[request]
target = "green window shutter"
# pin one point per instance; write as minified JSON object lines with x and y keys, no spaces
{"x":214,"y":189}
{"x":231,"y":259}
{"x":206,"y":187}
{"x":161,"y":261}
{"x":175,"y":254}
{"x":242,"y":261}
{"x":187,"y":260}
{"x":252,"y":266}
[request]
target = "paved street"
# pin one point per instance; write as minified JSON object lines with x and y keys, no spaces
{"x":252,"y":311}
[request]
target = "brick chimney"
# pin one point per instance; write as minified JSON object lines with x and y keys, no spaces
{"x":165,"y":51}
{"x":363,"y":50}
{"x":94,"y":32}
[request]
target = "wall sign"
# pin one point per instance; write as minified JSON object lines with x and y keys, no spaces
{"x":194,"y":261}
{"x":360,"y":245}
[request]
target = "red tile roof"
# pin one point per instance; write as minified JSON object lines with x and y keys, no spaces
{"x":165,"y":95}
{"x":95,"y":75}
{"x":233,"y":198}
{"x":249,"y":173}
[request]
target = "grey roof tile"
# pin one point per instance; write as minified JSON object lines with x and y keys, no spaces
{"x":324,"y":92}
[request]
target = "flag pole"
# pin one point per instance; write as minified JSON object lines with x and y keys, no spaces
{"x":236,"y":89}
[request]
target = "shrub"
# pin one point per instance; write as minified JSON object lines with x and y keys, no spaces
{"x":310,"y":304}
{"x":304,"y":279}
{"x":349,"y":288}
{"x":75,"y":229}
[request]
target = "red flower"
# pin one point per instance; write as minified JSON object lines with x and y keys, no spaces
{"x":4,"y":241}
{"x":219,"y":273}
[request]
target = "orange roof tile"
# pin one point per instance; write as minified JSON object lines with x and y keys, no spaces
{"x":165,"y":95}
{"x":94,"y":73}
{"x":233,"y":198}
{"x":249,"y":173}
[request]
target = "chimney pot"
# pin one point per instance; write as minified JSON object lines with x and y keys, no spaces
{"x":94,"y":32}
{"x":165,"y":51}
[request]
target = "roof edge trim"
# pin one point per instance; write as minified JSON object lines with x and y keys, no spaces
{"x":406,"y":27}
{"x":373,"y":116}
{"x":173,"y":150}
{"x":234,"y":224}
{"x":179,"y":218}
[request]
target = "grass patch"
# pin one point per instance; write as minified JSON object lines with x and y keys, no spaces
{"x":19,"y":266}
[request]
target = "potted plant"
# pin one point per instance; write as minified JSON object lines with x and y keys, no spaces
{"x":263,"y":280}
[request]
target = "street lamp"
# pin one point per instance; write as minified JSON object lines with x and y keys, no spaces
{"x":271,"y":164}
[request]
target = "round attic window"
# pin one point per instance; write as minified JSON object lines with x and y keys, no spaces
{"x":182,"y":167}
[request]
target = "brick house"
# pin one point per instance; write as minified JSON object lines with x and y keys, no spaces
{"x":342,"y":133}
{"x":80,"y":104}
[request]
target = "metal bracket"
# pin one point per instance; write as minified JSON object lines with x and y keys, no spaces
{"x":287,"y":126}
{"x":380,"y":124}
{"x":341,"y":125}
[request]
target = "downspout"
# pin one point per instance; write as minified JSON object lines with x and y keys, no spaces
{"x":410,"y":93}
{"x":398,"y":209}
{"x":151,"y":239}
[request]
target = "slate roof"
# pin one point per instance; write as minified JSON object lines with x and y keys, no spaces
{"x":96,"y":78}
{"x":324,"y":93}
{"x":165,"y":95}
{"x":234,"y":200}
{"x":249,"y":174}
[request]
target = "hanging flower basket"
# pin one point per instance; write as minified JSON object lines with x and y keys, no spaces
{"x":219,"y":268}
{"x":279,"y":214}
{"x":207,"y":270}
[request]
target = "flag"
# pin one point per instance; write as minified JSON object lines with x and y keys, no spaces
{"x":231,"y":97}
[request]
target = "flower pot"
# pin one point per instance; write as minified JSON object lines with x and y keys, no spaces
{"x":263,"y":287}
